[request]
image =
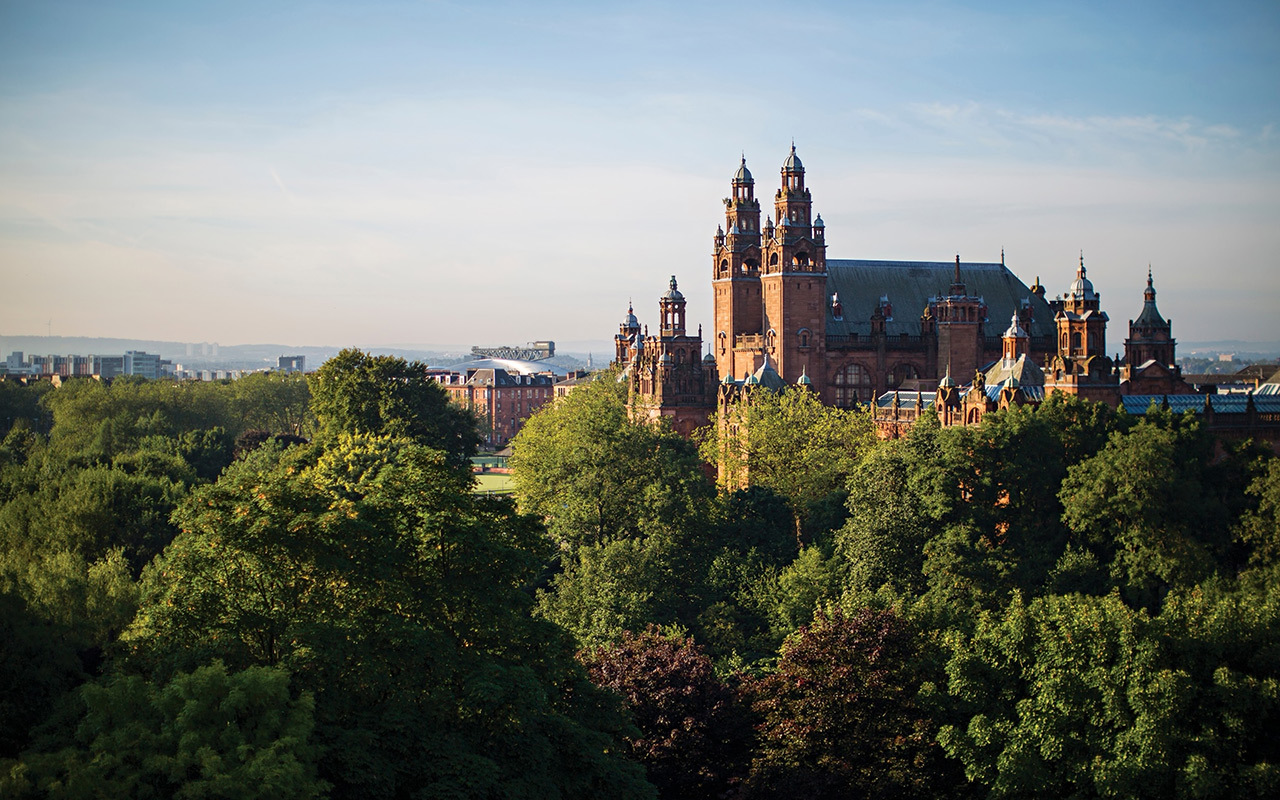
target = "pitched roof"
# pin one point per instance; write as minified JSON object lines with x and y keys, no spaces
{"x":910,"y":285}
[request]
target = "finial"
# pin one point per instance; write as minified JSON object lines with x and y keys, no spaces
{"x":1002,"y":256}
{"x":1082,"y":262}
{"x":957,"y":280}
{"x":673,"y":282}
{"x":1148,"y":275}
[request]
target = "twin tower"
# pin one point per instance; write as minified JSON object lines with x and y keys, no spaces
{"x":770,"y":280}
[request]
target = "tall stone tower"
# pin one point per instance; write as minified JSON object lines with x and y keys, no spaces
{"x":735,"y":280}
{"x":959,"y":319}
{"x":666,"y":375}
{"x":1150,"y":335}
{"x":1081,"y":366}
{"x":794,"y":280}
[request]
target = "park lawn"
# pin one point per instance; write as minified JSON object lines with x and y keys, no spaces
{"x":495,"y":483}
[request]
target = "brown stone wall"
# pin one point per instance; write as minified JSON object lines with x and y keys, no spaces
{"x":737,"y":312}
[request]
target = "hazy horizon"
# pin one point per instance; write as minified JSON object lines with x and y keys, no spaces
{"x":496,"y":173}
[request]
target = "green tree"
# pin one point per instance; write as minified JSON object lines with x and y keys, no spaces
{"x":595,"y":475}
{"x":1260,"y":526}
{"x":791,"y":443}
{"x":274,"y":402}
{"x":1140,"y":505}
{"x":1079,"y":696}
{"x":883,"y":540}
{"x":369,"y":571}
{"x":206,"y":734}
{"x":355,"y":392}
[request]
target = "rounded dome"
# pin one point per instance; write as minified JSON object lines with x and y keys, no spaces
{"x":630,"y":321}
{"x":1015,"y":330}
{"x":743,"y":175}
{"x":673,"y":293}
{"x":1082,"y":287}
{"x":792,"y":164}
{"x":817,"y":223}
{"x":708,"y":359}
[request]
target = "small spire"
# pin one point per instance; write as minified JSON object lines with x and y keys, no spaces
{"x":1149,"y":286}
{"x":1081,"y":264}
{"x":1002,"y":256}
{"x":957,"y":280}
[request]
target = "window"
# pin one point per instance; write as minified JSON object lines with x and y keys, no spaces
{"x":803,"y":335}
{"x":901,"y":374}
{"x":853,"y":385}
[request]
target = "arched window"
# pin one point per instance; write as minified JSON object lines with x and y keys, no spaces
{"x":773,"y":260}
{"x":853,"y":385}
{"x":1075,"y":342}
{"x":901,"y":374}
{"x":803,"y":336}
{"x":801,"y":260}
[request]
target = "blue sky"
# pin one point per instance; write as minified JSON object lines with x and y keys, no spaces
{"x":485,"y":173}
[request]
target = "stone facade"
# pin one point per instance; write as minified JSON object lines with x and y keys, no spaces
{"x":666,"y":374}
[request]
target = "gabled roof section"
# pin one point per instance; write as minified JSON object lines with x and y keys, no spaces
{"x":767,"y":376}
{"x":910,"y":285}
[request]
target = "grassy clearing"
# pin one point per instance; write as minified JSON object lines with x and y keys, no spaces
{"x":498,"y":484}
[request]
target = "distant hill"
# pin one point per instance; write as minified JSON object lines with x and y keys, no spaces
{"x":249,"y":356}
{"x":1252,"y":350}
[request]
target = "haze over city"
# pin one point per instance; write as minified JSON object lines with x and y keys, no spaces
{"x":330,"y":174}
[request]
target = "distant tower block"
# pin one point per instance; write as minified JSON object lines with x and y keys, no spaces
{"x":289,"y":364}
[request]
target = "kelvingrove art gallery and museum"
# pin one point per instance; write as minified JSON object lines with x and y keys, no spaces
{"x":958,"y":338}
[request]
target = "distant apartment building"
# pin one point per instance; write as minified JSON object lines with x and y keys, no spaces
{"x":288,"y":364}
{"x":107,"y":367}
{"x":147,"y":365}
{"x":134,"y":362}
{"x":502,"y":393}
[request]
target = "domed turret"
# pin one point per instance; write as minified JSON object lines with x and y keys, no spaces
{"x":947,"y":382}
{"x":743,"y":175}
{"x":1150,"y":316}
{"x":1082,"y":287}
{"x":673,"y":293}
{"x":1015,"y":328}
{"x":792,"y":164}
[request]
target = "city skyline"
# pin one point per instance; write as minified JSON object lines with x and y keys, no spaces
{"x":437,"y":173}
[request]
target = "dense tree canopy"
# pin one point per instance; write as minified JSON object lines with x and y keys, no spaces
{"x":275,"y":587}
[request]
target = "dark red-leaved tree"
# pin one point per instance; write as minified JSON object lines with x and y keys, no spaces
{"x":839,"y":715}
{"x":694,"y":737}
